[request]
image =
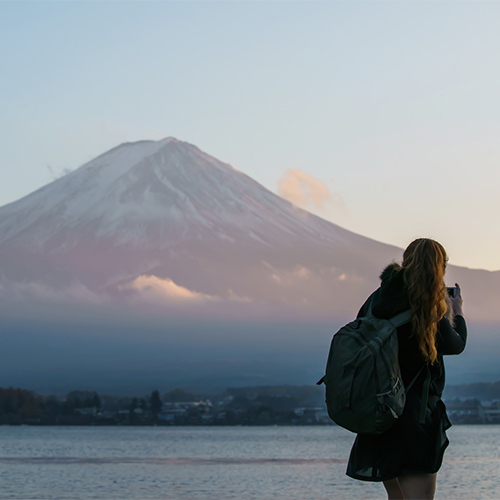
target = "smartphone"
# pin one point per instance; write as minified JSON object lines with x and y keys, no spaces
{"x":452,"y":291}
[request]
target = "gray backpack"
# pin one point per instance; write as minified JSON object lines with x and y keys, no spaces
{"x":364,"y":390}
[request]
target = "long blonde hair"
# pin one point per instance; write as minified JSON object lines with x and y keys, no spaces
{"x":424,"y":265}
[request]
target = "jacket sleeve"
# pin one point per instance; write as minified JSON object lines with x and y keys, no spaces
{"x":451,"y":340}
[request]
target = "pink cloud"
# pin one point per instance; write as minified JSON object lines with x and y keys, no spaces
{"x":304,"y":190}
{"x":165,"y":289}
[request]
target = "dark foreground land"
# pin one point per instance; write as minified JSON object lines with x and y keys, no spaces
{"x":265,"y":405}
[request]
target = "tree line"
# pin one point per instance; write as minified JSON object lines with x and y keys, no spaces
{"x":20,"y":406}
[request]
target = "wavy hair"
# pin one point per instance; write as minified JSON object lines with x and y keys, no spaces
{"x":424,"y":265}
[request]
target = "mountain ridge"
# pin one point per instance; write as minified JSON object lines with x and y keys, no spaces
{"x":91,"y":166}
{"x":167,"y":210}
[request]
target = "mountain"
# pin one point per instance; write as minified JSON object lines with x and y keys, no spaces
{"x":167,"y":210}
{"x":156,"y":265}
{"x":164,"y":215}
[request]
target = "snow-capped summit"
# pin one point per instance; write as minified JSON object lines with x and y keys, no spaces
{"x":158,"y":193}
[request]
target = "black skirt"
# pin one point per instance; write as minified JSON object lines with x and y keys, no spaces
{"x":406,"y":448}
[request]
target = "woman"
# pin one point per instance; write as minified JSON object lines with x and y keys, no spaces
{"x":407,"y":457}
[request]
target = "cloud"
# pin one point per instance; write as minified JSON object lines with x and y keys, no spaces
{"x":153,"y":287}
{"x":146,"y":293}
{"x":165,"y":288}
{"x":304,"y":190}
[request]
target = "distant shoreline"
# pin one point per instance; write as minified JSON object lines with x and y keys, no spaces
{"x":242,"y":406}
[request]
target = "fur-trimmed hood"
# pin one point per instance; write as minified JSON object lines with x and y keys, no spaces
{"x":390,"y":272}
{"x":391,"y":298}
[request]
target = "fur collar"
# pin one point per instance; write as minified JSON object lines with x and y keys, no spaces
{"x":390,"y":272}
{"x":392,"y":297}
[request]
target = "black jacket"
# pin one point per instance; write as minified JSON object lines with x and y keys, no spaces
{"x":392,"y":298}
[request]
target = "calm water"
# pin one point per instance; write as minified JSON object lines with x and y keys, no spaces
{"x":202,"y":463}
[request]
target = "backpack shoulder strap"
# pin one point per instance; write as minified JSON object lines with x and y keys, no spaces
{"x":425,"y":391}
{"x":408,"y":387}
{"x":396,"y":320}
{"x":425,"y":395}
{"x":401,"y":318}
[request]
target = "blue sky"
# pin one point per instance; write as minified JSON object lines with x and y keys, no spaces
{"x":392,"y":106}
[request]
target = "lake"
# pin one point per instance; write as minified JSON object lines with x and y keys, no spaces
{"x":219,"y":463}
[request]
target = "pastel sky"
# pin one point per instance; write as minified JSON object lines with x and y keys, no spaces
{"x":383,"y":117}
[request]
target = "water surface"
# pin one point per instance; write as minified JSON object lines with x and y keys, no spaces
{"x":202,"y":463}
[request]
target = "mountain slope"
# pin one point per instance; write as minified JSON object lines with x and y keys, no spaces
{"x":166,"y":208}
{"x":164,"y":215}
{"x":157,"y":193}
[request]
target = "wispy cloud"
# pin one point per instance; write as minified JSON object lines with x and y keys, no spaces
{"x":146,"y":289}
{"x":304,"y":190}
{"x":145,"y":298}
